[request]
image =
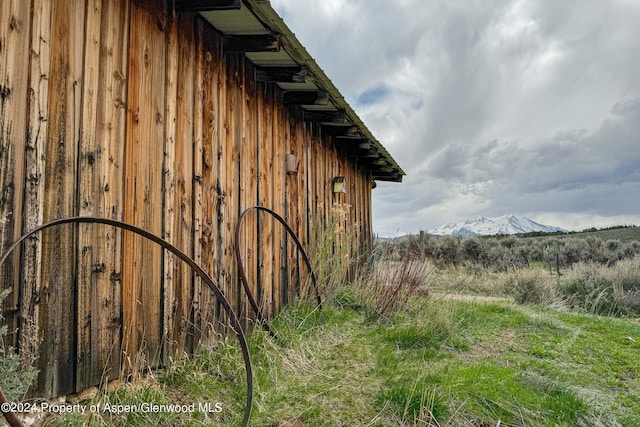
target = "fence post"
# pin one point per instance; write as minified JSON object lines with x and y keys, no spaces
{"x":421,"y":245}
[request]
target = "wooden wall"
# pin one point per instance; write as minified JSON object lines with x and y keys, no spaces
{"x":136,"y":114}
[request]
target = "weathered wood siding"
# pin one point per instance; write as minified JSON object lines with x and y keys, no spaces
{"x":14,"y":60}
{"x":137,"y":114}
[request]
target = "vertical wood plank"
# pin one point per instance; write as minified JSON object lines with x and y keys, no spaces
{"x":308,"y":174}
{"x":220,"y":139}
{"x":185,"y":139}
{"x":100,"y":192}
{"x":236,"y":103}
{"x":235,"y":88}
{"x":359,"y":193}
{"x":198,"y":179}
{"x":171,"y":264}
{"x":178,"y":178}
{"x":36,"y":142}
{"x":302,"y":207}
{"x":368,"y":229}
{"x":303,"y":143}
{"x":265,"y":191}
{"x":279,"y":145}
{"x":209,"y":159}
{"x":248,"y":184}
{"x":359,"y":190}
{"x":59,"y":245}
{"x":224,"y":160}
{"x":312,"y":161}
{"x":179,"y":181}
{"x":329,"y":173}
{"x":292,"y":198}
{"x":142,"y":276}
{"x":15,"y":21}
{"x":362,"y":189}
{"x":320,"y":174}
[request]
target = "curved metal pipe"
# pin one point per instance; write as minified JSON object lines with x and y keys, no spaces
{"x":243,"y":276}
{"x":235,"y":323}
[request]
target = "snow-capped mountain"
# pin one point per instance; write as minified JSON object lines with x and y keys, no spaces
{"x":483,"y":226}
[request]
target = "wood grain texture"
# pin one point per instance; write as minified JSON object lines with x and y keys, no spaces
{"x":100,"y":191}
{"x":235,"y":112}
{"x":144,"y":146}
{"x":280,"y":125}
{"x":265,"y":255}
{"x":198,"y":199}
{"x":59,"y":245}
{"x":209,"y":241}
{"x":35,"y":161}
{"x":249,"y":184}
{"x":14,"y":41}
{"x":178,"y":182}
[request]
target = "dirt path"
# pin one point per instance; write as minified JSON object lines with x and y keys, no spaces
{"x":465,"y":297}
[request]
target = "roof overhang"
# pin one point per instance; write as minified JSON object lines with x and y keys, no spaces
{"x":255,"y":28}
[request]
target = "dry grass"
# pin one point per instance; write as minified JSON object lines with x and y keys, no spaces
{"x":599,"y":289}
{"x":391,"y":286}
{"x":333,"y":250}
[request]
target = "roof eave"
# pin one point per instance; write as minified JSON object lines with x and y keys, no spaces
{"x":385,"y":168}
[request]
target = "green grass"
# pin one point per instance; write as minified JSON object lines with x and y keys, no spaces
{"x":436,"y":362}
{"x":461,"y":354}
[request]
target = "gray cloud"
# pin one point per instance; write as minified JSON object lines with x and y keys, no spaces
{"x":523,"y":106}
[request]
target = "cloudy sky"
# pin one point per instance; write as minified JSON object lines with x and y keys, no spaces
{"x":530,"y":107}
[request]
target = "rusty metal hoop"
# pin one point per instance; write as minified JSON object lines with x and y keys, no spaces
{"x":243,"y":276}
{"x":235,"y":323}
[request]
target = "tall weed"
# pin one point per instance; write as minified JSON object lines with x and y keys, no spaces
{"x":391,"y":285}
{"x":333,"y":250}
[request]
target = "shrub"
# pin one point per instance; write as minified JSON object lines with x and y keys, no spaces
{"x":594,"y":295}
{"x":509,"y":242}
{"x":613,"y":245}
{"x":572,"y":252}
{"x":500,"y":258}
{"x":530,"y":287}
{"x":524,"y":253}
{"x":536,"y":254}
{"x":626,"y":274}
{"x":15,"y":375}
{"x":599,"y":289}
{"x":445,"y":251}
{"x":409,"y":247}
{"x":472,"y":249}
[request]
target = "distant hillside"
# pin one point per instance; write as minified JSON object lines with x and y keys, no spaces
{"x":624,"y":234}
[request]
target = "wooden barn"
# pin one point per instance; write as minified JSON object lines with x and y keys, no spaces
{"x":174,"y":116}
